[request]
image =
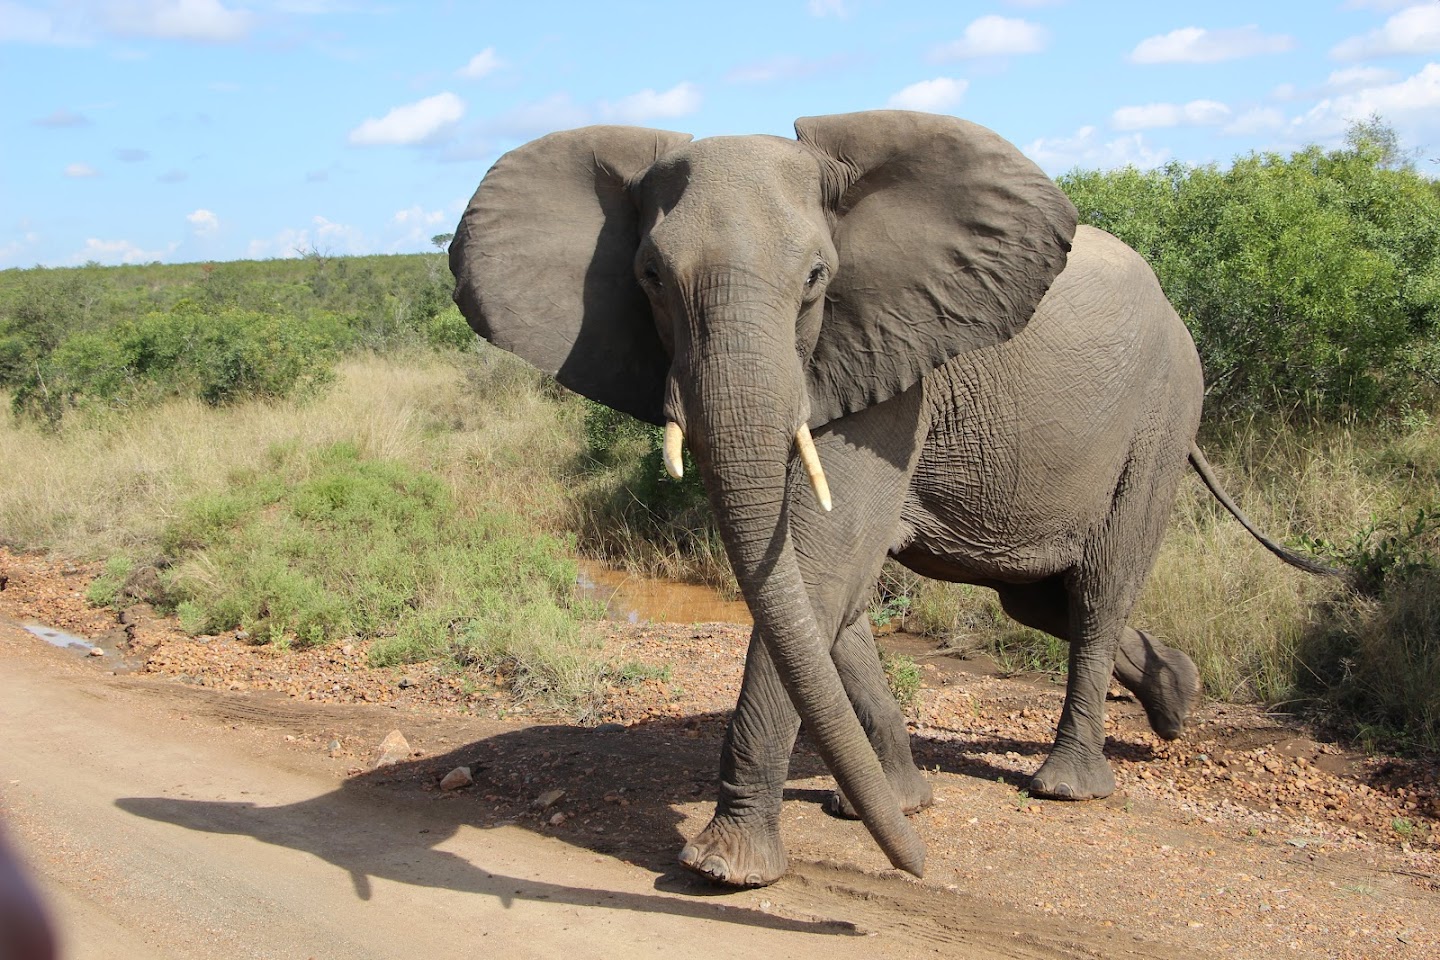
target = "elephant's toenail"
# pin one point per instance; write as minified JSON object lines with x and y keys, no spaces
{"x":753,"y":880}
{"x":716,"y":867}
{"x":689,"y":855}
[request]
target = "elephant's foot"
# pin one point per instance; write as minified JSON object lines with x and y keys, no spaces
{"x":1073,"y":776}
{"x":912,"y":791}
{"x":736,"y":854}
{"x":1163,"y":679}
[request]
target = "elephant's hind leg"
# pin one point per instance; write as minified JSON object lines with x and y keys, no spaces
{"x":858,"y":661}
{"x":1076,"y":768}
{"x":1162,"y":678}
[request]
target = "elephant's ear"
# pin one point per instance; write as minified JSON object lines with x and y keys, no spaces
{"x":544,"y":263}
{"x":947,"y":237}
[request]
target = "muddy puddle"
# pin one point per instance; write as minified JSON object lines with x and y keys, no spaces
{"x":637,"y":599}
{"x":59,"y":638}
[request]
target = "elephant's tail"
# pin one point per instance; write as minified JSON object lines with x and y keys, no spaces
{"x":1308,"y":564}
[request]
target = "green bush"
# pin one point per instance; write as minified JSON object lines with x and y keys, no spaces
{"x":317,"y":546}
{"x":1309,"y":282}
{"x":220,"y":357}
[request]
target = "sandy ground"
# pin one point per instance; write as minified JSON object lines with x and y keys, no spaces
{"x":183,"y":797}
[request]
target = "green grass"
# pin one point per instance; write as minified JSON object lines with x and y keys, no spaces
{"x":903,"y":676}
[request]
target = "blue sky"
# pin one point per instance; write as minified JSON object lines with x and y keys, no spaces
{"x":183,"y":130}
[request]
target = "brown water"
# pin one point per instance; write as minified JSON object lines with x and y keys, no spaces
{"x":636,"y":599}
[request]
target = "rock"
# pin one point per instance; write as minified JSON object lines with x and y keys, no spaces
{"x":558,"y":819}
{"x":406,"y":683}
{"x":242,"y":635}
{"x":457,"y":778}
{"x":96,"y":652}
{"x":334,"y":748}
{"x":548,"y":799}
{"x":393,"y":749}
{"x":611,"y":728}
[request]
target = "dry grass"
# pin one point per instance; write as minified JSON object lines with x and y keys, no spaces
{"x":109,"y":485}
{"x":1247,"y":619}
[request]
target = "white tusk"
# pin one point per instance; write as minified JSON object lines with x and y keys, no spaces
{"x":811,"y":459}
{"x":672,"y":453}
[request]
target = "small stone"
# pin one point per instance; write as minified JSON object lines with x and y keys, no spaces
{"x":242,"y":635}
{"x":611,"y":728}
{"x":558,"y":819}
{"x":406,"y":683}
{"x":393,"y":749}
{"x":96,"y":652}
{"x":334,"y":748}
{"x":457,"y":778}
{"x":548,"y":799}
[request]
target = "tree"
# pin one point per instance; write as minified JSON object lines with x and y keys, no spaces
{"x":442,"y":241}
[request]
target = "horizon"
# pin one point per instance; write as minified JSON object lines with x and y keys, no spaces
{"x":191,"y":131}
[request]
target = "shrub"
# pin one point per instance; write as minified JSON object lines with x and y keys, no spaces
{"x":1309,"y":282}
{"x":220,"y":357}
{"x":322,"y":545}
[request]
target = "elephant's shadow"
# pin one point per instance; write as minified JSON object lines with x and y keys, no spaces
{"x":625,"y":794}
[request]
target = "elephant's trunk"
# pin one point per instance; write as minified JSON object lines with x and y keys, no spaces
{"x":745,"y":426}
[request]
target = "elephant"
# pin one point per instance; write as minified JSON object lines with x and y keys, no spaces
{"x":886,"y":337}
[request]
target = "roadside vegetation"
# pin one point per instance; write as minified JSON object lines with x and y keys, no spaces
{"x":317,"y":449}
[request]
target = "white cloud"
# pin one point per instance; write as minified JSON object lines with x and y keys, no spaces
{"x":417,"y":225}
{"x":1196,"y":113}
{"x":679,"y":101}
{"x":1357,"y":78}
{"x":22,"y":24}
{"x":1199,"y":45}
{"x":995,"y":36}
{"x":204,"y":222}
{"x":932,"y":96}
{"x":482,"y":64}
{"x":323,"y":235}
{"x":1087,"y":149}
{"x":412,"y":122}
{"x":829,"y":8}
{"x":1381,"y":5}
{"x":207,"y":20}
{"x":1416,"y":29}
{"x":79,"y":170}
{"x":119,"y":251}
{"x":1414,"y":100}
{"x":417,"y":214}
{"x":1255,"y":120}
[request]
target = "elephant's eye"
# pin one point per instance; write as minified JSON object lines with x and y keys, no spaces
{"x":816,"y":275}
{"x":651,"y":275}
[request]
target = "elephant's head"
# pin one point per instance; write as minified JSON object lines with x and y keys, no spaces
{"x":740,"y":288}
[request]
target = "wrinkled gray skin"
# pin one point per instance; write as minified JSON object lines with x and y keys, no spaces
{"x":868,"y":280}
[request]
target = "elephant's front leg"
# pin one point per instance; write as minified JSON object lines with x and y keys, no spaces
{"x":858,"y":660}
{"x":869,"y":458}
{"x":741,"y":846}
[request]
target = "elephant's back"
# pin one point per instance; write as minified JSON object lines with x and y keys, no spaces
{"x":1028,"y":439}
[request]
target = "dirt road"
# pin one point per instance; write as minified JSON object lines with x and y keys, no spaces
{"x":170,"y":819}
{"x":165,"y":821}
